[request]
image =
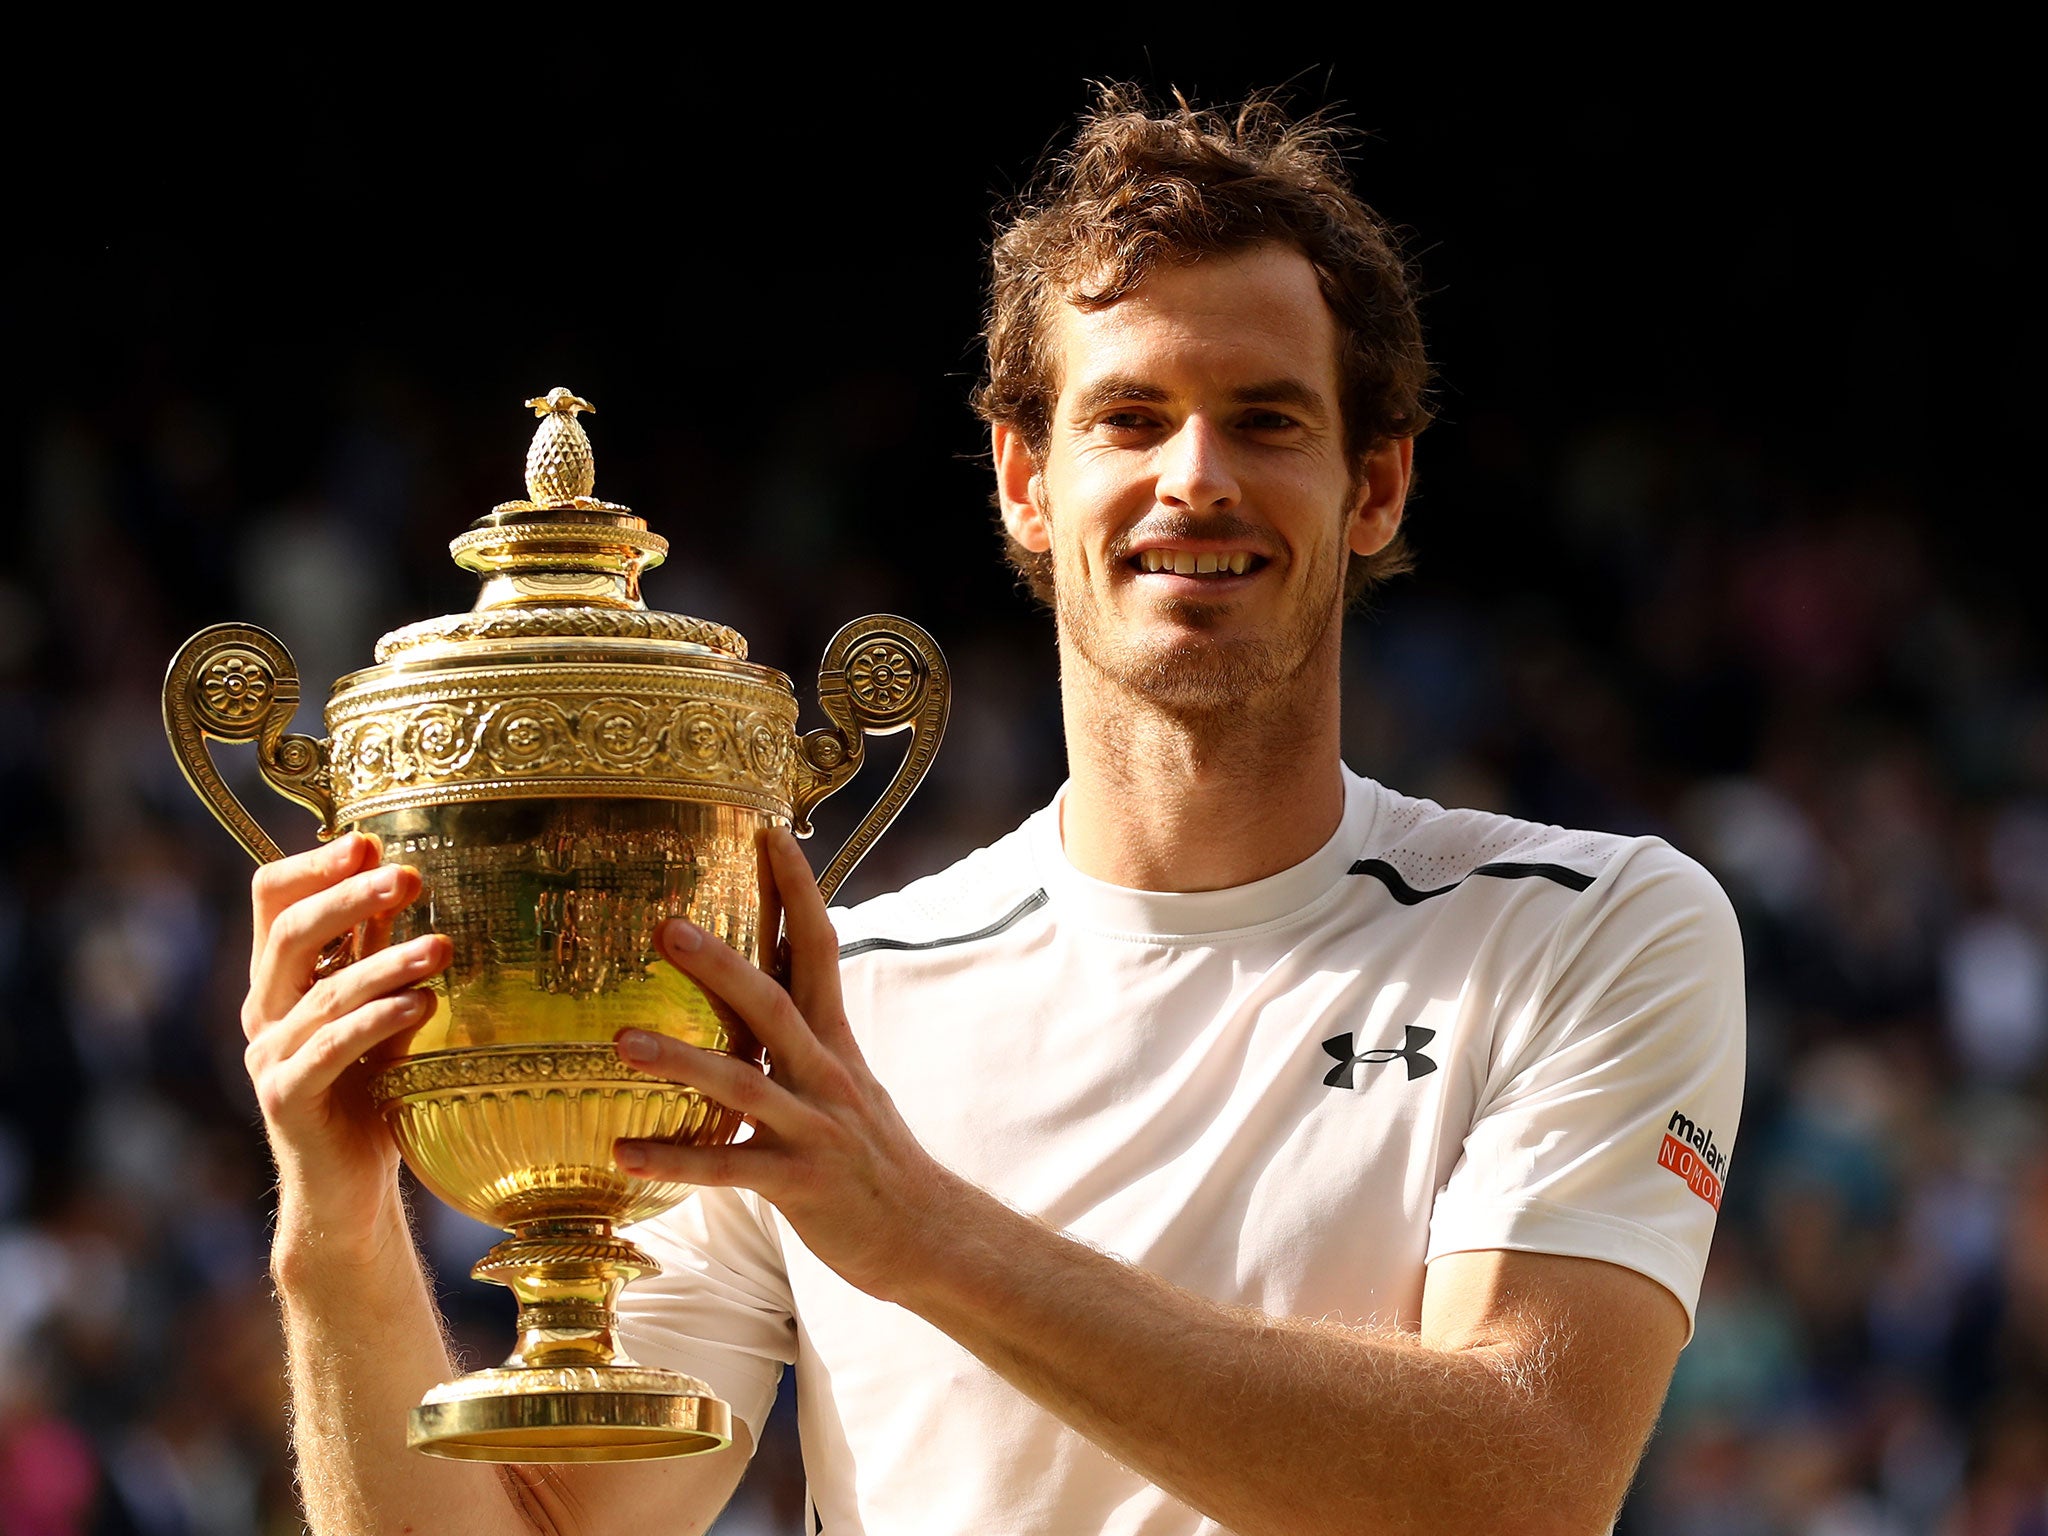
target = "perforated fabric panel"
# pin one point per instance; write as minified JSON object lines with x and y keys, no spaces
{"x":1432,"y":847}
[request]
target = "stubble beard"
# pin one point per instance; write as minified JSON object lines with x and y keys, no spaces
{"x":1198,"y":680}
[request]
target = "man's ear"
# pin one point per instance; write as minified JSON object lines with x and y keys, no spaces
{"x":1019,"y":492}
{"x":1382,"y":493}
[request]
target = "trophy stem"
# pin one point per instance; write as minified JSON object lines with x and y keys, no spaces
{"x":567,"y":1274}
{"x":569,"y":1392}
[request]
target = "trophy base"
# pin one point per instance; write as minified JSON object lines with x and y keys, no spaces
{"x":582,"y":1413}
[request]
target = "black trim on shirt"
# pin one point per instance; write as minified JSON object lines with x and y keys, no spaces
{"x":1408,"y":896}
{"x":1022,"y":910}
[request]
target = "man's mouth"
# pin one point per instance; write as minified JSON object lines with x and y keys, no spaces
{"x":1189,"y":562}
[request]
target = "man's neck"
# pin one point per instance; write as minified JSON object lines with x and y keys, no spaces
{"x":1158,"y":801}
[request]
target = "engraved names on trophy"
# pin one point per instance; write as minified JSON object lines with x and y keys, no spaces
{"x":568,"y":901}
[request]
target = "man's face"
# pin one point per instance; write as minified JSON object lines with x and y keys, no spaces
{"x":1195,"y":495}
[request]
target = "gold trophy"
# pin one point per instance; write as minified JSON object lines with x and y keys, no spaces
{"x":566,"y":770}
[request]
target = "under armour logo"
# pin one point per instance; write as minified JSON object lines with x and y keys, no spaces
{"x":1345,"y":1075}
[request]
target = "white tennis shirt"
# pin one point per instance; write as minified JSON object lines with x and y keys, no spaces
{"x":1445,"y":1031}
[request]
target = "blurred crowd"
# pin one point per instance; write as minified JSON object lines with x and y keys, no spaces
{"x":1849,"y":728}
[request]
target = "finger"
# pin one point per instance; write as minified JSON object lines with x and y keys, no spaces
{"x":742,"y":1166}
{"x":813,"y":943}
{"x":749,"y":991}
{"x":304,"y":928}
{"x":301,"y":1079}
{"x":283,"y":883}
{"x":738,"y":1085}
{"x":386,"y":972}
{"x":376,"y":933}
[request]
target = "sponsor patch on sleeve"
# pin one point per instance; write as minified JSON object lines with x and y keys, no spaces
{"x":1689,"y":1151}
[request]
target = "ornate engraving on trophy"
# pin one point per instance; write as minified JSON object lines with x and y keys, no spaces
{"x":403,"y":741}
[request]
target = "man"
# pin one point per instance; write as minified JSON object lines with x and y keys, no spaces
{"x":1239,"y":1144}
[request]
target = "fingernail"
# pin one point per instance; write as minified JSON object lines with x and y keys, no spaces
{"x":684,"y":935}
{"x":422,"y":1001}
{"x":386,"y":883}
{"x":638,"y":1045}
{"x":342,"y":850}
{"x":629,"y":1157}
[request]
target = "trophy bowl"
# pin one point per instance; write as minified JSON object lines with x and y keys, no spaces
{"x":566,"y":770}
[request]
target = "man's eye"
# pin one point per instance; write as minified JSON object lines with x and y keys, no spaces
{"x":1126,"y":421}
{"x":1269,"y":421}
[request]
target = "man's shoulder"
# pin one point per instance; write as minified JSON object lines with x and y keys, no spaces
{"x":1419,"y":849}
{"x":988,"y":891}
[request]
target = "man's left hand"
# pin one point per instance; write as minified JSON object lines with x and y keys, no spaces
{"x":828,"y":1148}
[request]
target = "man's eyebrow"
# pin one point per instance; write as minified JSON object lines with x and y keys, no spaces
{"x":1115,"y":389}
{"x":1127,"y":388}
{"x":1292,"y":392}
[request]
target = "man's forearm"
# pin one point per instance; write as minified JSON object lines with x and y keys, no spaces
{"x":1266,"y":1424}
{"x":364,"y":1342}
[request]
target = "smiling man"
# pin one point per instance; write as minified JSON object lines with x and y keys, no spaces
{"x":1238,"y":1145}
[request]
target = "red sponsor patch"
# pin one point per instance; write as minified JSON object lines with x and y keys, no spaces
{"x":1692,"y":1168}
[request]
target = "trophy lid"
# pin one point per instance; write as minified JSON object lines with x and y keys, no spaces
{"x":559,"y":684}
{"x":559,"y":564}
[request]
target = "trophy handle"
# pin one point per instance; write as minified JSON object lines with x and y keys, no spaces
{"x":235,"y":682}
{"x":880,"y":674}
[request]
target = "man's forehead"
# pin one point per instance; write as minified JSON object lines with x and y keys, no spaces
{"x":1234,"y":318}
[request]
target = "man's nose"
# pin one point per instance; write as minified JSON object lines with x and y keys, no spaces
{"x":1195,"y":473}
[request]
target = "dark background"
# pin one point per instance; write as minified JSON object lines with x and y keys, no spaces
{"x":1724,"y":534}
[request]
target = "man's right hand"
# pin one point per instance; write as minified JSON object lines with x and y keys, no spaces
{"x":358,"y":1311}
{"x":337,"y":1164}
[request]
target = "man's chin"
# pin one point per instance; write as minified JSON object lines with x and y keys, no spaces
{"x":1194,"y":659}
{"x":1194,"y":677}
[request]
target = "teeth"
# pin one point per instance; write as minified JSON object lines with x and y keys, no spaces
{"x":1184,"y":563}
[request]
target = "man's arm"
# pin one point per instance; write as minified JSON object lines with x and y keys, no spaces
{"x":1522,"y":1406}
{"x":364,"y":1343}
{"x":361,"y":1330}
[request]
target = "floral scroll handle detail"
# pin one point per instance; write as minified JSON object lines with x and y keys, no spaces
{"x":237,"y":683}
{"x":236,"y":687}
{"x":881,"y":674}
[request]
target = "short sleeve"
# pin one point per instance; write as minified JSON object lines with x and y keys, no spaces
{"x":1610,"y":1110}
{"x":720,"y":1309}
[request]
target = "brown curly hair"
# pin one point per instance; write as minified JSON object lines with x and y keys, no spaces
{"x":1136,"y":190}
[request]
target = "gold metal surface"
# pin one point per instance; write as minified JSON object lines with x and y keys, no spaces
{"x":554,"y":623}
{"x":566,"y":770}
{"x":555,"y":1414}
{"x":508,"y":1099}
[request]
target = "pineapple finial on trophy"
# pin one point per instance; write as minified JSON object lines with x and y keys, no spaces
{"x":559,"y":465}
